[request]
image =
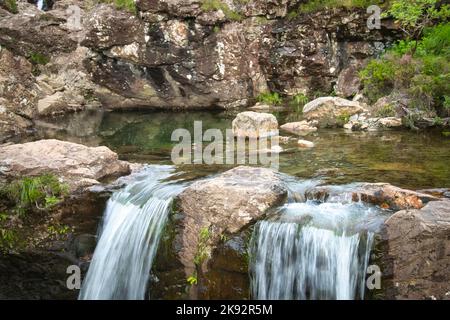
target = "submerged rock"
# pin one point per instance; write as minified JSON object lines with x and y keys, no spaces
{"x":305,"y":144}
{"x":77,"y":165}
{"x":331,"y":111}
{"x":301,"y":128}
{"x":416,"y":253}
{"x":255,"y":125}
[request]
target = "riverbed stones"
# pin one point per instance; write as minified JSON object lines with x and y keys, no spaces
{"x":77,"y":165}
{"x":416,"y":257}
{"x":223,"y":205}
{"x":305,"y":144}
{"x":301,"y":128}
{"x":255,"y":125}
{"x":384,"y":195}
{"x":362,"y":123}
{"x":331,"y":111}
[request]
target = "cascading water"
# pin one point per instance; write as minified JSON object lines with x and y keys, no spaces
{"x":313,"y":250}
{"x":40,"y":4}
{"x":129,"y":237}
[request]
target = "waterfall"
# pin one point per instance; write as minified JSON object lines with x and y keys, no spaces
{"x":40,"y":4}
{"x":314,"y":251}
{"x":133,"y":221}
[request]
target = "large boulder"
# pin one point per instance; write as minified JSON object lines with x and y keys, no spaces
{"x":255,"y":125}
{"x":224,"y":205}
{"x":416,"y":253}
{"x":77,"y":165}
{"x":331,"y":111}
{"x":384,"y":195}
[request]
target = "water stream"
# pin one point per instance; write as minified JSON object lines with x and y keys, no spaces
{"x":313,"y":250}
{"x":129,"y":237}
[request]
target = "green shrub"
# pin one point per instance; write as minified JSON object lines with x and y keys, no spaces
{"x":202,"y":246}
{"x":40,"y":192}
{"x":10,"y":5}
{"x":378,"y":78}
{"x":38,"y":58}
{"x":421,"y":70}
{"x":386,"y":111}
{"x":272,"y":98}
{"x":298,"y":102}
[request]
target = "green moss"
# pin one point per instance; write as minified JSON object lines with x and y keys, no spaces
{"x":38,"y":58}
{"x":272,"y":98}
{"x":8,"y":237}
{"x":215,"y":5}
{"x":318,"y":5}
{"x":127,"y":5}
{"x":343,"y":118}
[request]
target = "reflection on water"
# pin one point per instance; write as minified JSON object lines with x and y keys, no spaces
{"x":404,"y":158}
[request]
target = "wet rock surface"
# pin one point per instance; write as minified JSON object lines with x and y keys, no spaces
{"x":384,"y":195}
{"x":416,"y":253}
{"x":331,"y":111}
{"x":255,"y":125}
{"x":209,"y":214}
{"x":77,"y":165}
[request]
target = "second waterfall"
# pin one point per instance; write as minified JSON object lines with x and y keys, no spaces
{"x":313,"y":250}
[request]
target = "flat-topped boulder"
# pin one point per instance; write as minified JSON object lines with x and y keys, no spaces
{"x":255,"y":125}
{"x":331,"y":111}
{"x":224,"y":205}
{"x":78,"y":165}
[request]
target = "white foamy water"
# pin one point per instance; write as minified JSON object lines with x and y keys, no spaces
{"x":313,"y":250}
{"x":129,"y":237}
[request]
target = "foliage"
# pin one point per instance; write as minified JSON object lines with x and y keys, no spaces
{"x":202,"y":246}
{"x":425,"y":76}
{"x":414,"y":16}
{"x":128,"y":5}
{"x":192,"y":280}
{"x":271,"y":98}
{"x":387,"y":110}
{"x":317,"y":5}
{"x":298,"y":102}
{"x":446,"y":103}
{"x":343,"y":118}
{"x":215,"y":5}
{"x":11,"y":6}
{"x":38,"y":58}
{"x":57,"y":229}
{"x":7,"y":236}
{"x":40,"y":192}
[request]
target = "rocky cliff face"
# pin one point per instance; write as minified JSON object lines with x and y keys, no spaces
{"x":185,"y":54}
{"x":175,"y":54}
